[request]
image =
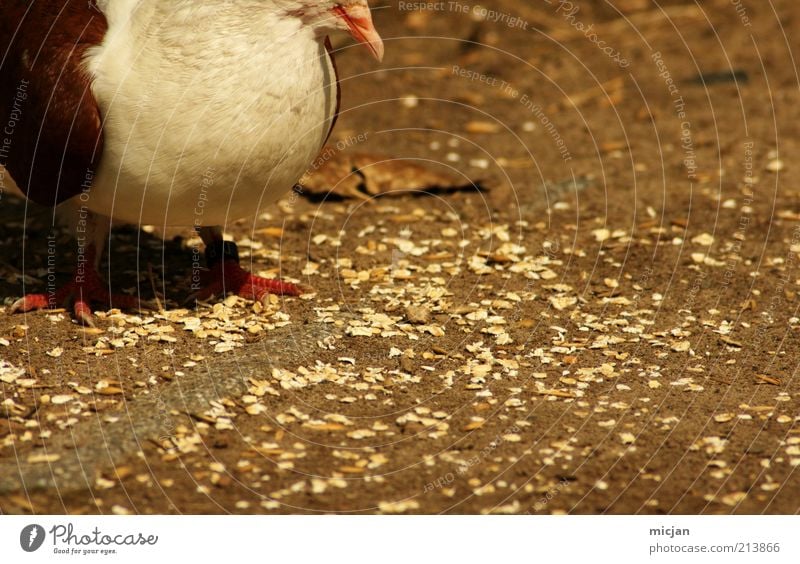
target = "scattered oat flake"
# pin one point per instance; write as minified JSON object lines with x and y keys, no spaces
{"x":555,"y":393}
{"x":43,"y":458}
{"x":361,"y":434}
{"x":398,"y":506}
{"x":733,"y":498}
{"x":255,"y":409}
{"x":601,"y":235}
{"x":9,"y":373}
{"x":472,"y":425}
{"x":361,"y":331}
{"x":775,"y":165}
{"x":482,"y":127}
{"x":223,"y":347}
{"x":731,"y":342}
{"x":56,"y":352}
{"x":62,"y":399}
{"x":563,"y":302}
{"x":703,"y":239}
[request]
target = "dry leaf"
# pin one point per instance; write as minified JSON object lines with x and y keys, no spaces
{"x":363,"y":176}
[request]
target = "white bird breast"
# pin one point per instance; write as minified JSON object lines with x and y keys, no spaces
{"x":212,"y":111}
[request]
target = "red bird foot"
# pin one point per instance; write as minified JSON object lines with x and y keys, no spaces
{"x":227,"y":277}
{"x":85,"y":288}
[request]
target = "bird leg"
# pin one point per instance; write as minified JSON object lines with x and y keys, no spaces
{"x":225,"y":276}
{"x":86,"y":286}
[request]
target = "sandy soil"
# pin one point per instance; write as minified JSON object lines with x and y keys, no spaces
{"x":612,"y":328}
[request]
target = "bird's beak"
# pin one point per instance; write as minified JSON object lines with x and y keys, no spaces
{"x":358,"y":19}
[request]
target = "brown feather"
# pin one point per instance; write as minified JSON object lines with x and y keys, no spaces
{"x":50,"y":125}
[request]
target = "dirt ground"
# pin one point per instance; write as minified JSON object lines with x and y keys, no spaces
{"x":612,"y":327}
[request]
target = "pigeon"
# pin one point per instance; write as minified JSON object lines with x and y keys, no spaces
{"x":188,"y":113}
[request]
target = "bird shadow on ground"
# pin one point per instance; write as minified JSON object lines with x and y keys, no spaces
{"x":37,"y":250}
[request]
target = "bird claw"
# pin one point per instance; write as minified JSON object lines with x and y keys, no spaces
{"x":81,"y":307}
{"x":82,"y":293}
{"x":29,"y":303}
{"x":83,"y":313}
{"x":229,"y":277}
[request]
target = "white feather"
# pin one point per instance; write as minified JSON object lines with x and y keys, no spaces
{"x":212,"y":110}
